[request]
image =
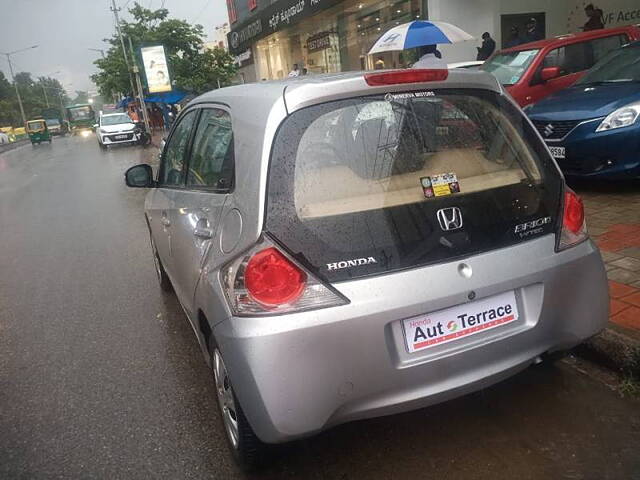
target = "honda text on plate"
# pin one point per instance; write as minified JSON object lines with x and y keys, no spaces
{"x":593,"y":128}
{"x":356,"y":245}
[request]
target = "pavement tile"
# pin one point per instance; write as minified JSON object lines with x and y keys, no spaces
{"x":623,"y":276}
{"x":629,"y":252}
{"x":610,"y":245}
{"x":610,"y":256}
{"x":636,"y":284}
{"x":616,"y":306}
{"x":633,"y":299}
{"x":625,"y":228}
{"x":629,"y":318}
{"x":619,"y":290}
{"x":628,"y":263}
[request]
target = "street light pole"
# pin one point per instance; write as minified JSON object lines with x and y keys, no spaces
{"x":98,"y":50}
{"x":8,"y":55}
{"x":115,"y":11}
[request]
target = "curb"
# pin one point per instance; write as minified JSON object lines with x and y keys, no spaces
{"x":615,"y":347}
{"x":7,"y":147}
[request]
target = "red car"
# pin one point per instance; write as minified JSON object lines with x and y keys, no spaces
{"x":535,"y":70}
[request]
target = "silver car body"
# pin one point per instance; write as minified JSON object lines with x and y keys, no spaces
{"x":299,"y":373}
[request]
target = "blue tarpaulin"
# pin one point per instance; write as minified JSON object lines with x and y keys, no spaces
{"x":173,"y":96}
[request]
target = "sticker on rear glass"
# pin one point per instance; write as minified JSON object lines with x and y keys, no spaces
{"x":440,"y":185}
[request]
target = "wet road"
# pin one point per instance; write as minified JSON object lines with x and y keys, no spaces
{"x":101,"y":375}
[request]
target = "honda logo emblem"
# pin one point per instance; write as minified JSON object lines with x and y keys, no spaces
{"x":449,"y":218}
{"x":548,"y":130}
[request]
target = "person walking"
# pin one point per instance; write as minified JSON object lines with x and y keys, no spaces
{"x":594,"y":15}
{"x":487,"y":48}
{"x":430,"y":57}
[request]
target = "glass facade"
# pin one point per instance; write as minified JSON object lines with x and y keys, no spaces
{"x":337,"y":39}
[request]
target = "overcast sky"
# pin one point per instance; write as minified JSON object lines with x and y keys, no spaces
{"x":66,"y":29}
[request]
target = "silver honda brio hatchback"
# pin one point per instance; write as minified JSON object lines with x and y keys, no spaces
{"x":360,"y":244}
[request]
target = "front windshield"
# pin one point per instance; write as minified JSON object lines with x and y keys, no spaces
{"x":508,"y":67}
{"x":52,"y":122}
{"x":80,"y":113}
{"x":621,"y":65}
{"x":116,"y":119}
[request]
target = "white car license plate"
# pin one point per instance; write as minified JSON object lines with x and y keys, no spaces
{"x":121,"y":137}
{"x":557,"y":152}
{"x":425,"y":331}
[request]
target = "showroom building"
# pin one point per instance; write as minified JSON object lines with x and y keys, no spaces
{"x":323,"y":36}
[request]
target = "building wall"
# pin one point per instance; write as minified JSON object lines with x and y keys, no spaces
{"x":561,"y":16}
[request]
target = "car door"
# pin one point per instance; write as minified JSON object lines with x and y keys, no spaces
{"x":195,"y":218}
{"x":171,"y":179}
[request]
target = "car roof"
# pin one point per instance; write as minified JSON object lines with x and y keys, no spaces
{"x":572,"y":37}
{"x":302,"y":91}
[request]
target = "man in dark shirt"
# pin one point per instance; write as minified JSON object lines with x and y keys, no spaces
{"x":487,"y":48}
{"x":595,"y":18}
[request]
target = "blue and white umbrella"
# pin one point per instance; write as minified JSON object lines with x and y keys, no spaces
{"x":419,"y":33}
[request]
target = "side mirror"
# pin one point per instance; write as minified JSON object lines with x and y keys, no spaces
{"x":139,"y":176}
{"x":549,"y":73}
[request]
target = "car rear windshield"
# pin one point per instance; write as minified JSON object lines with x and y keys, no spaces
{"x":622,"y":65}
{"x":508,"y":67}
{"x":386,"y":182}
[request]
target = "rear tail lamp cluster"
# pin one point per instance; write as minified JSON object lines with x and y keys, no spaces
{"x":266,"y":281}
{"x":406,"y":76}
{"x":574,"y":227}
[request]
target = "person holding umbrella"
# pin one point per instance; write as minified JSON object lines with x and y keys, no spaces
{"x":424,"y":35}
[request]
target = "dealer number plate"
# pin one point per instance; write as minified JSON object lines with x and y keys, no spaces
{"x":461,"y":321}
{"x":121,"y":137}
{"x":557,"y":152}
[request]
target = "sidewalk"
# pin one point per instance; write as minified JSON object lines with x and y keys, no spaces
{"x":613,"y":221}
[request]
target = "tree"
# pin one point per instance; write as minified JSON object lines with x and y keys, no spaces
{"x":191,"y":68}
{"x":32,"y":95}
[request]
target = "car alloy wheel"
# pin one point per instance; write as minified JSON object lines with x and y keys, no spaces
{"x":226,"y":399}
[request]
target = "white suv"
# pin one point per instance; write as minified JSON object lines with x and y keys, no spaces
{"x":114,"y":128}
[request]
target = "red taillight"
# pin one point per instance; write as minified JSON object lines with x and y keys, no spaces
{"x":573,"y":217}
{"x":405,"y":76}
{"x":271,"y":279}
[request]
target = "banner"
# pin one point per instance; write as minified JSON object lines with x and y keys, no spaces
{"x":156,"y":69}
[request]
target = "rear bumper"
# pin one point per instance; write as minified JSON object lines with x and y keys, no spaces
{"x":612,"y":155}
{"x":298,"y":374}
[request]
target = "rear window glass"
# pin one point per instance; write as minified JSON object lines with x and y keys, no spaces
{"x":508,"y":67}
{"x":366,"y":177}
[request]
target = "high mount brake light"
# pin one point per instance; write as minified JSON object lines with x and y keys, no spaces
{"x":266,"y":281}
{"x":405,"y":76}
{"x":574,"y":227}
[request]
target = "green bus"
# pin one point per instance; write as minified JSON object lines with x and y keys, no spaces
{"x":81,"y":117}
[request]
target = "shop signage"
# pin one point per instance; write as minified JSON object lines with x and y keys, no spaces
{"x":243,"y":36}
{"x":318,"y":42}
{"x":244,"y":59}
{"x":272,"y":18}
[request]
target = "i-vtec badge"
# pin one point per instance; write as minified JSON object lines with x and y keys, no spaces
{"x":356,"y":262}
{"x":532,"y":227}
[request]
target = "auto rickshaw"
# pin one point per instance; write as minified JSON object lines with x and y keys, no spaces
{"x":38,"y":131}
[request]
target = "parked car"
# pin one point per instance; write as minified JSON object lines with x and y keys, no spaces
{"x":116,"y":128}
{"x":532,"y":71}
{"x":336,"y":263}
{"x":592,"y":128}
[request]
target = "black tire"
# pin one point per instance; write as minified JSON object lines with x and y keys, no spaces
{"x":249,"y":452}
